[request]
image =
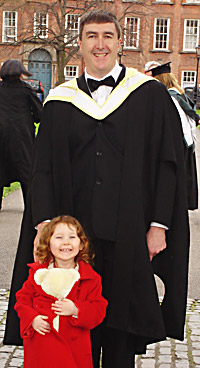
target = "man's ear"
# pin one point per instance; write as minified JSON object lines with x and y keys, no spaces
{"x":119,"y":44}
{"x":79,"y":43}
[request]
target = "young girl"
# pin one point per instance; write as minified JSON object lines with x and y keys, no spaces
{"x":61,"y":300}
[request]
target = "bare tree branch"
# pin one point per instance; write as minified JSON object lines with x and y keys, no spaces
{"x":61,"y":35}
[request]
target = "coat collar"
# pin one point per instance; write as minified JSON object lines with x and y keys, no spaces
{"x":85,"y":270}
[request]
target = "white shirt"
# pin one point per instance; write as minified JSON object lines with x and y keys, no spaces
{"x":101,"y":94}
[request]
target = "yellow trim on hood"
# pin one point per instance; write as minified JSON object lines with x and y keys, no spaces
{"x":70,"y":92}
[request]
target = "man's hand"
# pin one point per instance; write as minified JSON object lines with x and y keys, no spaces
{"x":64,"y":307}
{"x":156,"y":241}
{"x":37,"y":237}
{"x":40,"y":325}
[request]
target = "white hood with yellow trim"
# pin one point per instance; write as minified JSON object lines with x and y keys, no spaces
{"x":70,"y":92}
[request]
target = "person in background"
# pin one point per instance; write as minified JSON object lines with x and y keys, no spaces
{"x":20,"y":108}
{"x":149,"y":66}
{"x":61,"y":301}
{"x":110,"y":153}
{"x":161,"y":73}
{"x":188,"y":116}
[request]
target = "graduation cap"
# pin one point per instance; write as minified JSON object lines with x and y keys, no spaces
{"x":160,"y":69}
{"x":150,"y":65}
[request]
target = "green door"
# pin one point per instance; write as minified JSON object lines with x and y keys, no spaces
{"x":40,"y":66}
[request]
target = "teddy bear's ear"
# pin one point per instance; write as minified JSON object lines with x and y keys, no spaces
{"x":40,"y":275}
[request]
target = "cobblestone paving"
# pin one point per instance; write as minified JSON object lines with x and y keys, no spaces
{"x":167,"y":354}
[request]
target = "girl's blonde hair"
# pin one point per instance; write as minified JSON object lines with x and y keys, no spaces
{"x":43,"y":252}
{"x":170,"y":81}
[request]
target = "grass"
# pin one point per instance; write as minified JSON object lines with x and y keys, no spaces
{"x":36,"y":128}
{"x":198,"y":112}
{"x":13,"y":186}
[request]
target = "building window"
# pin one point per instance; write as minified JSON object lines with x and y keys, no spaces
{"x":72,"y":29}
{"x":71,"y":71}
{"x":161,"y":33}
{"x":193,"y":1}
{"x":40,"y":28}
{"x":188,"y":78}
{"x":191,"y":34}
{"x":131,"y":32}
{"x":9,"y":26}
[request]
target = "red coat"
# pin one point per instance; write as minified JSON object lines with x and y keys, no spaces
{"x":70,"y":347}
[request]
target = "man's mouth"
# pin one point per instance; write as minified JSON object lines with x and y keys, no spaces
{"x":100,"y":55}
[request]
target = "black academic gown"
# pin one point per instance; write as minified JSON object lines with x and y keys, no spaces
{"x":20,"y":108}
{"x":152,"y":188}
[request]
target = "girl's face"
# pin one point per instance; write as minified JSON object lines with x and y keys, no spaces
{"x":65,"y":245}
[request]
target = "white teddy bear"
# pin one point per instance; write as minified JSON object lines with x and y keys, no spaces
{"x":57,"y":282}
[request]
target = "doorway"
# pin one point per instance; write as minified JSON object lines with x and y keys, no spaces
{"x":40,"y":66}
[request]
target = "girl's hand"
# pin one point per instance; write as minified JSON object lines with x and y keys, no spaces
{"x":40,"y":325}
{"x":65,"y":307}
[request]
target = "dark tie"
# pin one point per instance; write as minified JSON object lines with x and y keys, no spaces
{"x":94,"y":84}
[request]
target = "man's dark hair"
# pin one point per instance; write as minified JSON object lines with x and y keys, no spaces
{"x":99,"y":16}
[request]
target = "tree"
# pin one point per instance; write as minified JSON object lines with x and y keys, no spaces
{"x":61,"y":33}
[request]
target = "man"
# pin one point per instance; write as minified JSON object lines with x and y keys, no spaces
{"x":110,"y":156}
{"x":149,"y":66}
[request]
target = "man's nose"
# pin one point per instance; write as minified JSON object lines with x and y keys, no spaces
{"x":100,"y":43}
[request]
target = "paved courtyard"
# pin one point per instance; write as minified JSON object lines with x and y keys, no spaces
{"x":167,"y":354}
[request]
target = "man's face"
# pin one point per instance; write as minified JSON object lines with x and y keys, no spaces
{"x":99,"y":46}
